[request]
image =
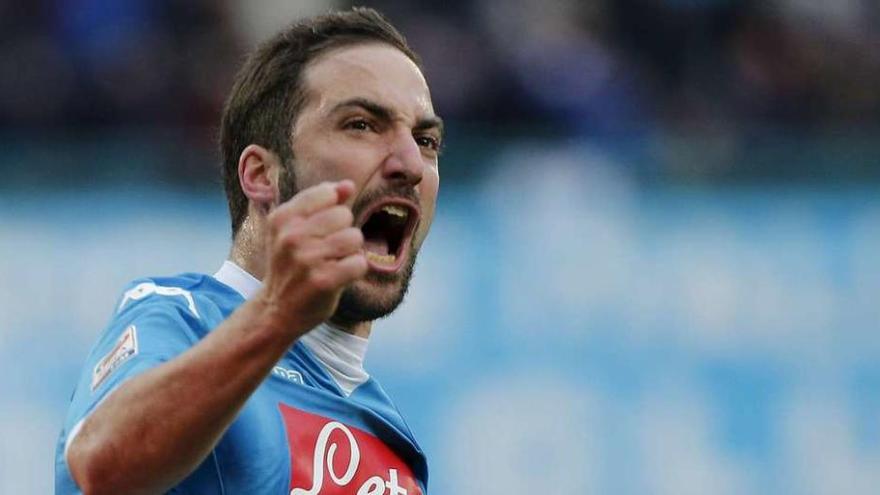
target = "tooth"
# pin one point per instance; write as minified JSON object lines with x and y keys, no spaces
{"x":395,"y":210}
{"x":382,"y":258}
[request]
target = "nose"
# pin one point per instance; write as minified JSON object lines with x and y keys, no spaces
{"x":404,"y":163}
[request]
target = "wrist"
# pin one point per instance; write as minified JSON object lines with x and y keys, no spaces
{"x":276,"y":319}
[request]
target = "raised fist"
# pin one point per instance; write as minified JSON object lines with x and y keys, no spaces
{"x":313,"y":252}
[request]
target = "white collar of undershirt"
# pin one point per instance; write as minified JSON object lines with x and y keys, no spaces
{"x":341,"y":353}
{"x":236,"y":277}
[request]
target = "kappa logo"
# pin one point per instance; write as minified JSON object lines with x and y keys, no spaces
{"x":330,"y":458}
{"x":288,"y":374}
{"x":145,"y":289}
{"x":125,"y":348}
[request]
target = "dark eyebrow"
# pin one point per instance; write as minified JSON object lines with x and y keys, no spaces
{"x":379,"y":111}
{"x":384,"y":113}
{"x":430,"y":123}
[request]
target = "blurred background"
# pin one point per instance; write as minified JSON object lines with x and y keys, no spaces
{"x":655,"y":267}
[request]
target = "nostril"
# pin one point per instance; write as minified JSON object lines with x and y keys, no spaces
{"x":397,"y":175}
{"x":403,"y":170}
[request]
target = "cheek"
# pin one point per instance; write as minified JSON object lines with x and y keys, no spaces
{"x":339,"y":163}
{"x":428,"y":190}
{"x":430,"y":183}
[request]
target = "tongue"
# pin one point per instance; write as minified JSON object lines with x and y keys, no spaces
{"x":377,"y":246}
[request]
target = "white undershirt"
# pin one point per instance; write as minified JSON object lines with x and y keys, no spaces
{"x":341,"y":353}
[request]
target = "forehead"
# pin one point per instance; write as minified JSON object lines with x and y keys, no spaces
{"x":374,"y":71}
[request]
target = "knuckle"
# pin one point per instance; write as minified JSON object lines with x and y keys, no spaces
{"x":357,"y":235}
{"x":358,"y":263}
{"x":346,"y":216}
{"x":309,"y":255}
{"x":318,"y":190}
{"x":303,"y":197}
{"x":291,"y":238}
{"x":348,"y":241}
{"x":360,"y":266}
{"x":339,"y":216}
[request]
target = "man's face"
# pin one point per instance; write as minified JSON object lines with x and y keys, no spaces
{"x":368,"y":117}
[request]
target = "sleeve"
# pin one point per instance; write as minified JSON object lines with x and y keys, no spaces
{"x":150,"y":326}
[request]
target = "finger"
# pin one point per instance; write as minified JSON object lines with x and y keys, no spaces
{"x":352,"y":267}
{"x":308,"y":234}
{"x":312,"y":199}
{"x":344,"y":190}
{"x":337,"y":245}
{"x":328,"y":221}
{"x":344,"y":271}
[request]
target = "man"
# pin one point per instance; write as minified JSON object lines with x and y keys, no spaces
{"x":251,"y":380}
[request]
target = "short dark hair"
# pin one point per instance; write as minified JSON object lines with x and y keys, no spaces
{"x":268,"y":92}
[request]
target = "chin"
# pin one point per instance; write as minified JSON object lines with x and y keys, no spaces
{"x":374,"y":297}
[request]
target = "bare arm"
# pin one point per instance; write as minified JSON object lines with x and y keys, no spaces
{"x":175,"y":413}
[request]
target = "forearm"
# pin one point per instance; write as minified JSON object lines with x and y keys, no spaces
{"x":156,"y":428}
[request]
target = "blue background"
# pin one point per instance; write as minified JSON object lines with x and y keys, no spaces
{"x":568,"y":331}
{"x":654,"y":267}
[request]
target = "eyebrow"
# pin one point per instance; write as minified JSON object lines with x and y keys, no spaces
{"x":384,"y":113}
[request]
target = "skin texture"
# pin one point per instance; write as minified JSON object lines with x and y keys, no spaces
{"x":306,"y":250}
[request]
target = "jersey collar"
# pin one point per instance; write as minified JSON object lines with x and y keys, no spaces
{"x":341,"y":353}
{"x":236,"y":277}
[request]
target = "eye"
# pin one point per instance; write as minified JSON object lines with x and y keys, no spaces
{"x":359,"y":125}
{"x":427,"y":141}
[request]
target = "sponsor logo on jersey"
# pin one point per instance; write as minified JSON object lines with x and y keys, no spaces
{"x":331,"y":458}
{"x":123,"y":350}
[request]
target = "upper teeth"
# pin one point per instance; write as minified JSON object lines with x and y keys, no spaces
{"x":395,"y":210}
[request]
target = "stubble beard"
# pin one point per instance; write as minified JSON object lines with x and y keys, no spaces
{"x":359,"y":304}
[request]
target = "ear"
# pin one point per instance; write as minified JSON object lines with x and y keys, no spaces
{"x":258,"y":175}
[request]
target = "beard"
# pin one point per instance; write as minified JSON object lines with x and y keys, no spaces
{"x":378,"y":294}
{"x":358,"y":304}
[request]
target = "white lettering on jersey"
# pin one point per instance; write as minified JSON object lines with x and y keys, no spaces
{"x":373,"y":486}
{"x":144,"y":289}
{"x":125,"y":348}
{"x":376,"y":485}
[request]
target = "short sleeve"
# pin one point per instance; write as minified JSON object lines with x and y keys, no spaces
{"x":145,"y":332}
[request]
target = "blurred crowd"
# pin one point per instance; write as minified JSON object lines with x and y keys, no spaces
{"x":587,"y":67}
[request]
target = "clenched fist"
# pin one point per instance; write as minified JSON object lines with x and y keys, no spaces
{"x":313,"y":253}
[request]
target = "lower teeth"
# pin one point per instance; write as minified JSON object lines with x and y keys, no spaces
{"x":381,"y":258}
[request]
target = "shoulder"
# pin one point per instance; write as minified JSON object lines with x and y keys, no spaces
{"x":158,"y":317}
{"x":162,"y":304}
{"x":190,"y":295}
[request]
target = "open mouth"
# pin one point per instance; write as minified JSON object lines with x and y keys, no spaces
{"x":388,"y":227}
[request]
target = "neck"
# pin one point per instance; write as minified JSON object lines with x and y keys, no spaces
{"x":247,"y":247}
{"x":358,"y":329}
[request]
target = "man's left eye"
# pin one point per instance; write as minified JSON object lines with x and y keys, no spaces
{"x":359,"y":125}
{"x":429,"y":142}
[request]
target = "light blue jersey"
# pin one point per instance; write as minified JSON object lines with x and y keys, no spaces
{"x":298,"y":434}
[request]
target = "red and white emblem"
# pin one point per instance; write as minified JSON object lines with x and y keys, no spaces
{"x":331,"y":458}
